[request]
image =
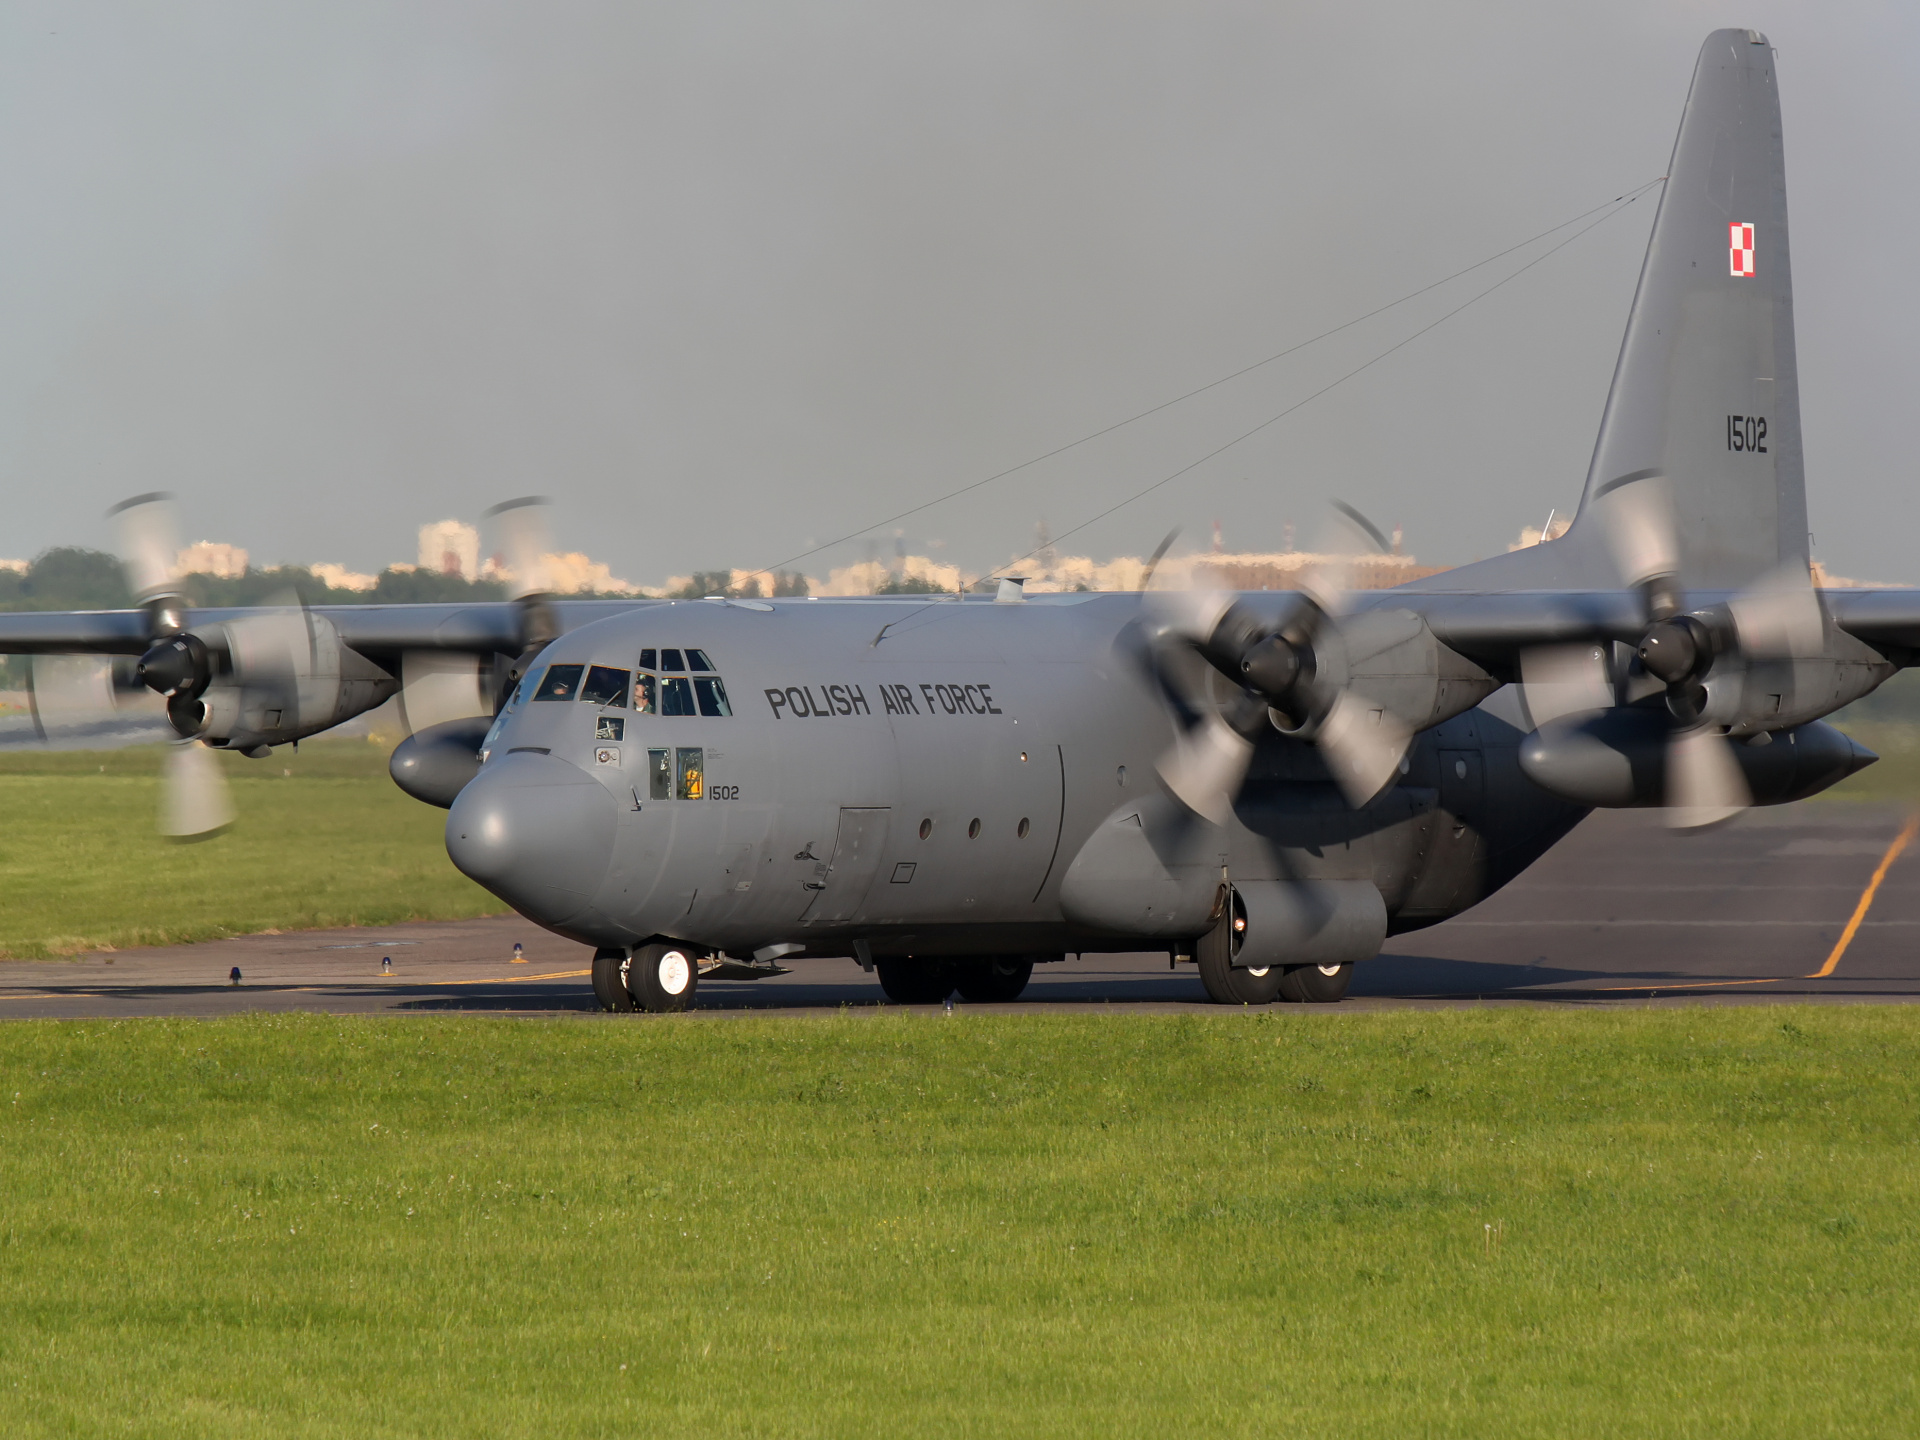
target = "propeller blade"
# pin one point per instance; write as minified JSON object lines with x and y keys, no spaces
{"x":274,"y":643}
{"x":1704,"y":783}
{"x":193,"y":793}
{"x":1364,"y":744}
{"x":71,"y":695}
{"x":1205,"y":767}
{"x":1637,"y":516}
{"x":1191,"y":614}
{"x":523,"y":539}
{"x":149,"y":542}
{"x":1558,"y":680}
{"x":1347,"y":536}
{"x":439,"y":685}
{"x":1780,"y":615}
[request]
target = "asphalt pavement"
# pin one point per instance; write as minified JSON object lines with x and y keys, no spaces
{"x":1620,"y":912}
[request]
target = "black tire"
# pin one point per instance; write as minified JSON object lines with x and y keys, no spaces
{"x":1316,"y":984}
{"x":992,"y":979}
{"x":662,"y":978}
{"x":609,"y":987}
{"x":915,"y":982}
{"x":1227,"y":983}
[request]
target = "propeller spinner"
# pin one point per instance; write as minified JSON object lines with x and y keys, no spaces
{"x":1780,"y":617}
{"x":194,"y":801}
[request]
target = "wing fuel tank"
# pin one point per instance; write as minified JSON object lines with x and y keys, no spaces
{"x":1617,"y":759}
{"x":435,"y":764}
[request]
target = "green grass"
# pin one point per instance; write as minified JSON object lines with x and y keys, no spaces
{"x":907,"y":1225}
{"x":323,"y":837}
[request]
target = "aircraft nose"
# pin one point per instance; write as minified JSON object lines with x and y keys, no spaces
{"x":536,"y":831}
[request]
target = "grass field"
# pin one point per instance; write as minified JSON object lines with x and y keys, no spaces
{"x":324,"y":837}
{"x":1656,"y":1223}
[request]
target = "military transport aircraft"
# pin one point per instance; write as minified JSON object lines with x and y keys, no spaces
{"x":952,"y":789}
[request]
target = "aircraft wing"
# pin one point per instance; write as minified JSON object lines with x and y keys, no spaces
{"x":379,"y":632}
{"x":1885,"y":619}
{"x":1493,"y":628}
{"x":74,"y":632}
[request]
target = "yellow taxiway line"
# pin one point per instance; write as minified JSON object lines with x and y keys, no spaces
{"x":1900,"y":842}
{"x":513,"y":979}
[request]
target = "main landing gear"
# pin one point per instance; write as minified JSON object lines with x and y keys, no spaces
{"x":657,"y":978}
{"x":1230,"y":984}
{"x":981,"y":979}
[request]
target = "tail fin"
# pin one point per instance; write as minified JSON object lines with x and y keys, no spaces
{"x":1706,"y":391}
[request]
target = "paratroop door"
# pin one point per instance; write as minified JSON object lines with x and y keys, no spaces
{"x":858,"y":848}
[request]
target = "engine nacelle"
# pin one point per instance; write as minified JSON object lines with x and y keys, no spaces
{"x":270,"y":679}
{"x":1617,"y":759}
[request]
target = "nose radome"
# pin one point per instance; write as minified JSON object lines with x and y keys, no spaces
{"x":536,"y":831}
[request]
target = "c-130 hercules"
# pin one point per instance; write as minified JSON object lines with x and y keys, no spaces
{"x":1267,"y":784}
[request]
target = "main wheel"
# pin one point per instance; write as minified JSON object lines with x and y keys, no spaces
{"x":915,"y":982}
{"x":1316,"y":984}
{"x":662,"y":978}
{"x":992,"y":979}
{"x":609,"y":982}
{"x":1227,"y":983}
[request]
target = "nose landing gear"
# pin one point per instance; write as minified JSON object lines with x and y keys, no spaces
{"x":659,"y":978}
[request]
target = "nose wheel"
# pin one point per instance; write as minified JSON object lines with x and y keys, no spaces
{"x":659,"y":979}
{"x":609,"y":980}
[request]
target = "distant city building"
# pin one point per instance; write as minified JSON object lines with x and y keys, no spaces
{"x":1290,"y":569}
{"x":1283,"y":570}
{"x":574,"y":574}
{"x":1531,"y":535}
{"x":210,"y":557}
{"x":450,"y":547}
{"x":19,"y":567}
{"x":338,"y":577}
{"x":1824,"y":581}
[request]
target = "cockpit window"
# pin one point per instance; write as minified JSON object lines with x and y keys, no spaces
{"x":697,"y":660}
{"x":712,"y":694}
{"x":561,"y":682}
{"x":643,"y":693}
{"x":676,"y":696}
{"x":606,"y":686}
{"x":670,"y":660}
{"x":649,"y":659}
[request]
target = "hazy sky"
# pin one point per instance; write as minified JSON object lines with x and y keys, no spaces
{"x":729,"y":279}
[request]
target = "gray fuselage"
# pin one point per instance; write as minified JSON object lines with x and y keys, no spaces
{"x":923,"y":777}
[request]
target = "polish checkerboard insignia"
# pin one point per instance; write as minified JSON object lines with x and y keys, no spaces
{"x":1740,"y":248}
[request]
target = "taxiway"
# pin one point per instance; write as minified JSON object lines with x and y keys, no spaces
{"x":1621,"y":912}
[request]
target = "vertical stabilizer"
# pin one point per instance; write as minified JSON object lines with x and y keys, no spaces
{"x":1706,"y":392}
